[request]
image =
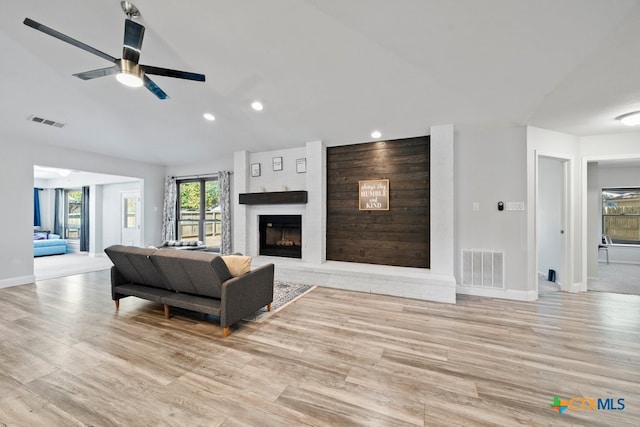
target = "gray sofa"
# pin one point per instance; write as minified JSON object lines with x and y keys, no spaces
{"x":193,"y":280}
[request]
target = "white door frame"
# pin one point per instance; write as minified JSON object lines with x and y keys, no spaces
{"x":567,"y":261}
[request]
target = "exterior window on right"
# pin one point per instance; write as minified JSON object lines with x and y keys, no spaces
{"x":621,"y":215}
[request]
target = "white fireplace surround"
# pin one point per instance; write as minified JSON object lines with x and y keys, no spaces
{"x":435,"y":284}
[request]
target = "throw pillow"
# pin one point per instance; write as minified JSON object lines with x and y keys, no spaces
{"x":237,"y":264}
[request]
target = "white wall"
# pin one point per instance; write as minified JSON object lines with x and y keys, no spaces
{"x":489,"y":167}
{"x":19,"y":157}
{"x":549,"y":215}
{"x":285,"y":180}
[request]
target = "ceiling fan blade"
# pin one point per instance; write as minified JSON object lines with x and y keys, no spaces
{"x":148,"y":69}
{"x":53,"y":33}
{"x":133,"y":35}
{"x":94,"y":74}
{"x":149,"y":84}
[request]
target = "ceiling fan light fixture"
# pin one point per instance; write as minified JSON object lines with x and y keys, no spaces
{"x":129,"y":73}
{"x":630,"y":119}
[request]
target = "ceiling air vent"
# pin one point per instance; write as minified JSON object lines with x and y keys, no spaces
{"x":46,"y":121}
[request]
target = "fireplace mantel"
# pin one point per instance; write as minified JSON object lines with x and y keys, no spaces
{"x":273,"y":198}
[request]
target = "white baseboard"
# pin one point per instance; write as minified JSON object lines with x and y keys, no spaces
{"x":620,"y":262}
{"x":498,"y":293}
{"x":578,"y":287}
{"x":16,"y":281}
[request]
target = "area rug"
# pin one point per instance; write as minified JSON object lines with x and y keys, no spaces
{"x":284,"y":293}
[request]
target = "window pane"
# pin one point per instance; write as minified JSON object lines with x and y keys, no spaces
{"x":621,"y":214}
{"x":190,"y":200}
{"x":188,"y":230}
{"x":130,"y":220}
{"x":211,"y":190}
{"x":74,"y":207}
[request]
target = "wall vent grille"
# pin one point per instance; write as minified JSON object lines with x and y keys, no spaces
{"x":44,"y":121}
{"x":483,"y":268}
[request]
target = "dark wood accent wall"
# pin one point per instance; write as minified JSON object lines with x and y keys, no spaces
{"x":399,"y":236}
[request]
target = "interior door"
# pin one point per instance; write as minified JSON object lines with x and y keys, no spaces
{"x":551,"y":217}
{"x":130,"y":217}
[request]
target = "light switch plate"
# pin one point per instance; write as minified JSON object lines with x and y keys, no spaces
{"x":514,"y":206}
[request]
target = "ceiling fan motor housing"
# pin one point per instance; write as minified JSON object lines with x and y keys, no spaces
{"x":129,"y":73}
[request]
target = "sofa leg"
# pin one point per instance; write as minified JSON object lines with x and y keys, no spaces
{"x":166,"y":311}
{"x":269,"y":307}
{"x":225,"y":331}
{"x":117,"y":301}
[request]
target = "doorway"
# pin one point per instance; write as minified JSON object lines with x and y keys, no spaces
{"x":612,"y":199}
{"x":551,"y":214}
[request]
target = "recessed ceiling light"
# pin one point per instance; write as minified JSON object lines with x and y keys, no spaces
{"x":630,"y":119}
{"x":209,"y":116}
{"x":376,"y":134}
{"x":257,"y":105}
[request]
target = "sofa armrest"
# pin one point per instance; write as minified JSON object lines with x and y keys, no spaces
{"x":246,"y":294}
{"x":116,"y":280}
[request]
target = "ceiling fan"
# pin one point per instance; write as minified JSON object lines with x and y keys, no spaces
{"x":127,"y":69}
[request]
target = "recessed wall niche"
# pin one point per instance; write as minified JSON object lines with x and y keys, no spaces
{"x":398,"y":236}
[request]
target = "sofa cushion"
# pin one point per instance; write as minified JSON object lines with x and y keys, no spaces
{"x":48,"y":242}
{"x":237,"y":264}
{"x":200,"y":273}
{"x":135,"y":266}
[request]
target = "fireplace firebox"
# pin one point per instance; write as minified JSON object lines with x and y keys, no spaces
{"x":281,"y":235}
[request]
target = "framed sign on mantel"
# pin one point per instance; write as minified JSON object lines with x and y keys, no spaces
{"x":277,"y":163}
{"x":373,"y":195}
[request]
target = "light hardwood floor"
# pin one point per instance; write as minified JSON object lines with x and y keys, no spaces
{"x":333,"y":358}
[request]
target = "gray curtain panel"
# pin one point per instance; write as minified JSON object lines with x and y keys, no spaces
{"x":169,"y":210}
{"x":84,"y":220}
{"x":224,"y":187}
{"x":58,"y":213}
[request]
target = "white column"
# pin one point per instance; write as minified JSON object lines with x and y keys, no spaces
{"x":95,"y":221}
{"x":442,"y":200}
{"x":314,"y":233}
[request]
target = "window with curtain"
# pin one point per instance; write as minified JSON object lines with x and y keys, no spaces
{"x":199,"y":213}
{"x":621,"y":215}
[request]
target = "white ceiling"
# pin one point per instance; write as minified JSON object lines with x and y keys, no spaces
{"x":330,"y":70}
